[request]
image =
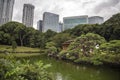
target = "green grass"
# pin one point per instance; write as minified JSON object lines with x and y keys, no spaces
{"x":18,"y":49}
{"x":19,"y":55}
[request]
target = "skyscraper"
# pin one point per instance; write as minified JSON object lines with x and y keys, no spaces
{"x":6,"y":11}
{"x":95,"y":20}
{"x":71,"y":22}
{"x":60,"y":27}
{"x":40,"y":25}
{"x":28,"y":15}
{"x":50,"y":21}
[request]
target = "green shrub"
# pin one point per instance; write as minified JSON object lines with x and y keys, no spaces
{"x":96,"y":59}
{"x":15,"y":70}
{"x":111,"y":47}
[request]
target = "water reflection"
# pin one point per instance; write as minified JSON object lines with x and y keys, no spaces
{"x":67,"y":71}
{"x":59,"y":76}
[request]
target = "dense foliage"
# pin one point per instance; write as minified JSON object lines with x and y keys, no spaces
{"x":111,"y":47}
{"x":87,"y":43}
{"x":82,"y":47}
{"x":61,"y":38}
{"x":51,"y":49}
{"x":10,"y":69}
{"x":84,"y":29}
{"x":110,"y":29}
{"x":89,"y":40}
{"x":93,"y":48}
{"x":14,"y":32}
{"x":26,"y":36}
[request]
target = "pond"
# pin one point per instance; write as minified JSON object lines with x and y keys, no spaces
{"x":67,"y":71}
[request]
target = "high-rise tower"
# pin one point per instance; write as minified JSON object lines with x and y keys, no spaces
{"x":95,"y":20}
{"x":28,"y":15}
{"x":40,"y":25}
{"x":6,"y":11}
{"x":71,"y":22}
{"x":50,"y":21}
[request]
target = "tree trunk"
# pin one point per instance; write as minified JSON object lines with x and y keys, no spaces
{"x":21,"y":41}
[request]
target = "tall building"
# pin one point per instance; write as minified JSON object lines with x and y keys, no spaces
{"x":28,"y":15}
{"x":6,"y":11}
{"x":40,"y":25}
{"x":60,"y":27}
{"x":95,"y":20}
{"x":71,"y":22}
{"x":50,"y":21}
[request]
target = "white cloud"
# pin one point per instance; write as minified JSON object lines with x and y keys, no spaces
{"x":64,"y":8}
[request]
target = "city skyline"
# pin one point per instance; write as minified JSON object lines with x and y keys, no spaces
{"x":65,"y":8}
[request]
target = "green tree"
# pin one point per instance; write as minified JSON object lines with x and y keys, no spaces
{"x":9,"y":32}
{"x":86,"y":44}
{"x":51,"y":49}
{"x":60,"y":38}
{"x":39,"y":39}
{"x":14,"y":45}
{"x":49,"y":34}
{"x":111,"y":28}
{"x":84,"y":29}
{"x":21,"y":31}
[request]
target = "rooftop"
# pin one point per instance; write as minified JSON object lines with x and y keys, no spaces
{"x":83,"y":16}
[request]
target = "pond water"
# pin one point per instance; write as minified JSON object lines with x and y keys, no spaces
{"x":67,"y":71}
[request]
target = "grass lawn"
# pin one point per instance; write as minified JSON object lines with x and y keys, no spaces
{"x":20,"y":55}
{"x":18,"y":49}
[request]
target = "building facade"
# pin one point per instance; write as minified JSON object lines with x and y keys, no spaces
{"x":71,"y":22}
{"x":60,"y":29}
{"x":95,"y":20}
{"x":6,"y":11}
{"x":50,"y":21}
{"x":28,"y":15}
{"x":40,"y":25}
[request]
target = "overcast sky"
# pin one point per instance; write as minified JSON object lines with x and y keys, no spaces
{"x":104,"y":8}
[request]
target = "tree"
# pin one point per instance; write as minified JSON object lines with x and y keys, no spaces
{"x":84,"y":29}
{"x":13,"y":30}
{"x":21,"y":31}
{"x":111,"y":28}
{"x":8,"y":30}
{"x":49,"y":34}
{"x":86,"y":44}
{"x":51,"y":49}
{"x":60,"y":38}
{"x":39,"y":39}
{"x":29,"y":39}
{"x":14,"y":45}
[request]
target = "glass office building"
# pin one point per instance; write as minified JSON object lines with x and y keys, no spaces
{"x":95,"y":20}
{"x":40,"y":25}
{"x":71,"y":22}
{"x":28,"y":15}
{"x":60,"y":29}
{"x":6,"y":11}
{"x":50,"y":21}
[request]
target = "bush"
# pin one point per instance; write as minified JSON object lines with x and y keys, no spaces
{"x":111,"y":47}
{"x":15,"y":70}
{"x":86,"y":44}
{"x":50,"y":48}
